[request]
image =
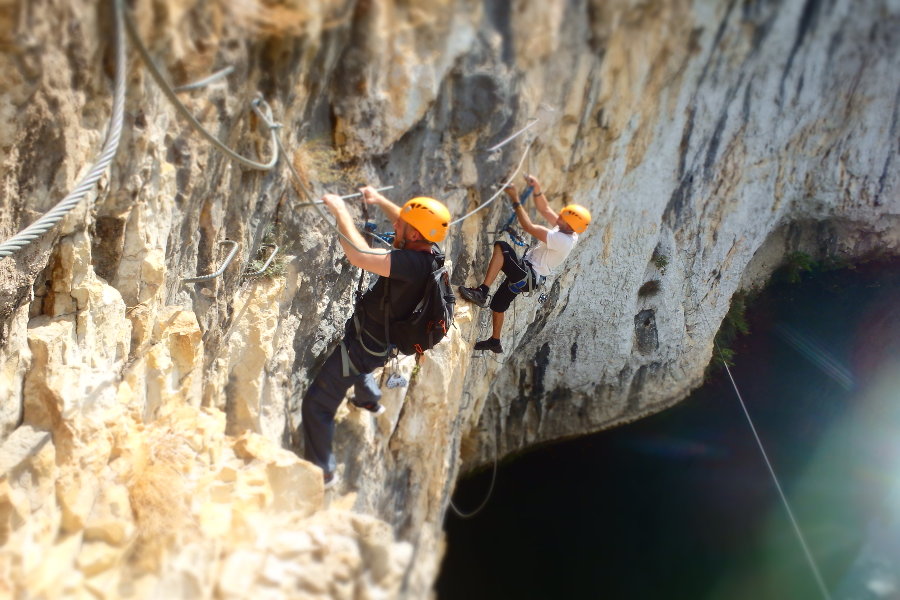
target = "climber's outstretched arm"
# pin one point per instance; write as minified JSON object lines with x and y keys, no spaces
{"x":538,"y":231}
{"x":540,"y":200}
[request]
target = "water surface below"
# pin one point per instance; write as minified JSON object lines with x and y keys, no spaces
{"x":681,"y":505}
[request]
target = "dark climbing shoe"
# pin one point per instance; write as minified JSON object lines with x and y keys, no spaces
{"x":492,"y":344}
{"x":473,"y":295}
{"x":373,"y":407}
{"x":366,"y":394}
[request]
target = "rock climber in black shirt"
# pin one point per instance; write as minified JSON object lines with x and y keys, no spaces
{"x":417,"y":225}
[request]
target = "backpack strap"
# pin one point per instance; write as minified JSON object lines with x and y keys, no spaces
{"x":347,"y":366}
{"x":357,"y":325}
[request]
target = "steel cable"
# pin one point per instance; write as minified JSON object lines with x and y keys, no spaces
{"x":181,"y":108}
{"x":110,"y":146}
{"x":196,"y":85}
{"x":307,"y":192}
{"x":500,"y":191}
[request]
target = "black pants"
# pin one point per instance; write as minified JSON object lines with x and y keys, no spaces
{"x":327,"y":391}
{"x":515,"y":270}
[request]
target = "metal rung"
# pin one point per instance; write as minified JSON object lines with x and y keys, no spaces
{"x":221,"y":270}
{"x":266,"y":264}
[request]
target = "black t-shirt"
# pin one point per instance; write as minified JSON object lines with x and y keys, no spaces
{"x":409,"y":273}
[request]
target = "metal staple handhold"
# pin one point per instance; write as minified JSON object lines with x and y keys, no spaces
{"x":347,"y":197}
{"x":183,"y":110}
{"x":266,"y":264}
{"x":221,"y":270}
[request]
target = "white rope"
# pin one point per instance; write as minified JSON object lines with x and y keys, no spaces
{"x":500,"y":191}
{"x":814,"y":567}
{"x":111,"y":144}
{"x":531,"y":123}
{"x":787,"y":507}
{"x":181,"y":108}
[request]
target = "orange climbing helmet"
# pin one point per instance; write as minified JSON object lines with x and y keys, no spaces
{"x":429,"y":217}
{"x":576,"y":216}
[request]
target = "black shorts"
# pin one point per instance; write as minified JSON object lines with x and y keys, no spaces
{"x":516,"y":270}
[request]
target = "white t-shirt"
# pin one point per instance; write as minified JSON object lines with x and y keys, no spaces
{"x":546,"y":257}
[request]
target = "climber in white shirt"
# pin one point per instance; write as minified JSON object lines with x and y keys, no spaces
{"x":526,"y":273}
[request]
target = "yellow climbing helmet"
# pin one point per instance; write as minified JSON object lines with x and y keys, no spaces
{"x":576,"y":216}
{"x":429,"y":217}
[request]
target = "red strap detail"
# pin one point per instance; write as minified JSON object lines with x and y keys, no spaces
{"x":418,"y":349}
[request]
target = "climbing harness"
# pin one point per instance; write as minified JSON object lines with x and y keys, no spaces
{"x":386,"y":237}
{"x":110,"y":145}
{"x":225,"y":263}
{"x":264,"y":115}
{"x":531,"y":282}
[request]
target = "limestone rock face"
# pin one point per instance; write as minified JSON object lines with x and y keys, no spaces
{"x":148,"y":424}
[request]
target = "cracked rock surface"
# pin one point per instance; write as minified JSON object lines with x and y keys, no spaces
{"x":147,"y":425}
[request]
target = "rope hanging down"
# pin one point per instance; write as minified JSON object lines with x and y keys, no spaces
{"x":173,"y":98}
{"x":111,"y":144}
{"x":817,"y":575}
{"x":487,"y":497}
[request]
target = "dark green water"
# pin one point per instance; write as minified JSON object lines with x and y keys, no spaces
{"x":680,"y":505}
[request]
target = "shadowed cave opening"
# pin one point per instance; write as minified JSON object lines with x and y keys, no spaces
{"x":681,"y":505}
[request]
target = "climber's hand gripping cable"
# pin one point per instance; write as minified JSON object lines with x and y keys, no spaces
{"x":371,"y":196}
{"x":538,"y":231}
{"x":540,"y":200}
{"x":380,"y":264}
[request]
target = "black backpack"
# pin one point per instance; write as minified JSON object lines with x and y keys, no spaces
{"x":430,"y":319}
